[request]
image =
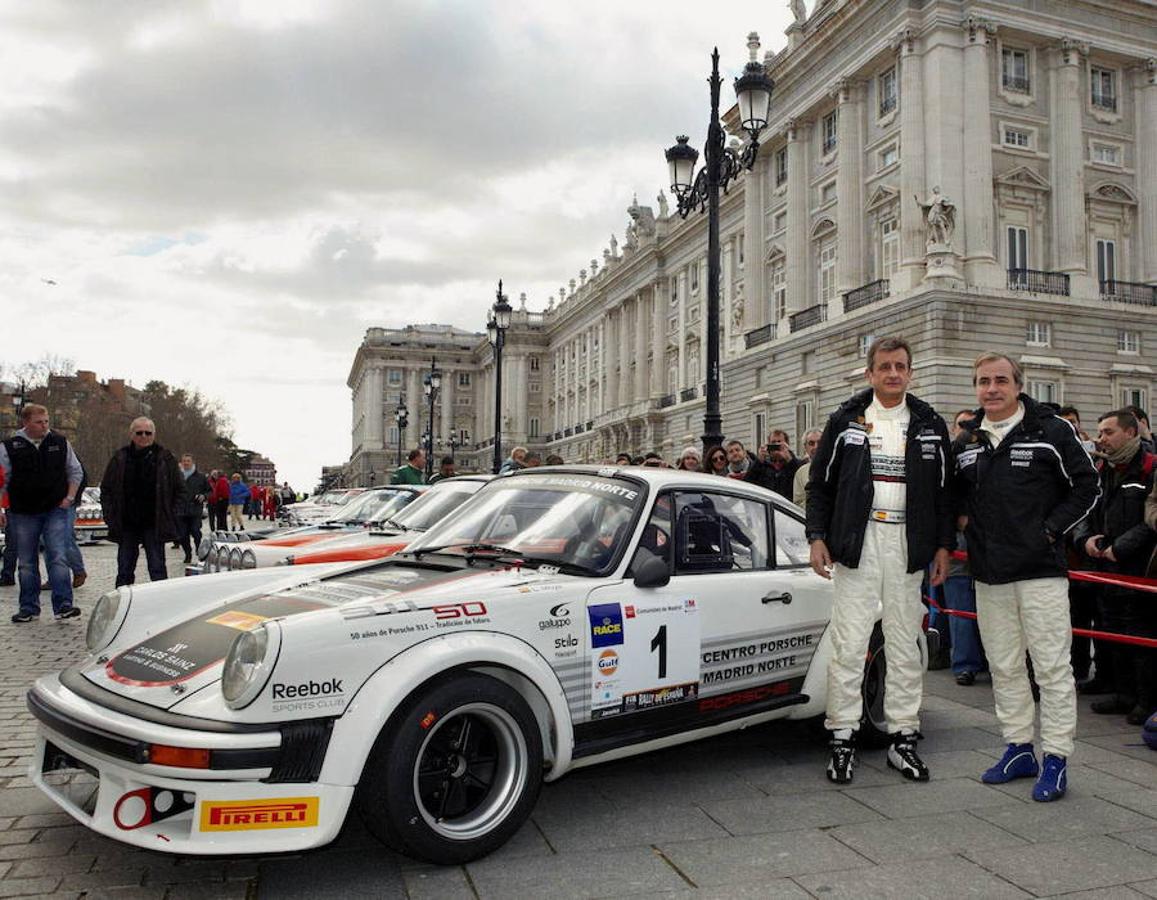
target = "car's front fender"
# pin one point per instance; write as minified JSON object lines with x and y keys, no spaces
{"x":505,"y":657}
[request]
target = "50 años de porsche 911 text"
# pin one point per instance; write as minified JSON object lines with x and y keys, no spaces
{"x":558,"y":618}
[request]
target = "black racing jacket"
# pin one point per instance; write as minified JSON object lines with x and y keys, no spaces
{"x":1023,"y":496}
{"x":39,"y":474}
{"x":840,"y":491}
{"x":1120,"y":516}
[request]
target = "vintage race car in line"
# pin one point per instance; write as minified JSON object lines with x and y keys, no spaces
{"x":561,"y":617}
{"x":371,"y":507}
{"x":90,"y":526}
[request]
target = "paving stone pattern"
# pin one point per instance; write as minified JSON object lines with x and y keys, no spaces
{"x":744,"y":815}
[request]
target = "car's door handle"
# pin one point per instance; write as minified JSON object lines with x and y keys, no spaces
{"x":785,"y":597}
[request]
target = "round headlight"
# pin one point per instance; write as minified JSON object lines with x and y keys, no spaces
{"x":248,"y":560}
{"x":204,"y":547}
{"x":249,"y":664}
{"x":211,"y":559}
{"x":235,"y":558}
{"x":106,"y":620}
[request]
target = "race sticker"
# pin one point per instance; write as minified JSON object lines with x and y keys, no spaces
{"x":248,"y":815}
{"x":654,"y":660}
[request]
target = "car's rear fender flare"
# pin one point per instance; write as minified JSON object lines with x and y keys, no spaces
{"x":815,"y":683}
{"x":503,"y":657}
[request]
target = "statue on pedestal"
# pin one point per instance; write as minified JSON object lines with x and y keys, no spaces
{"x":799,"y":10}
{"x":939,"y":218}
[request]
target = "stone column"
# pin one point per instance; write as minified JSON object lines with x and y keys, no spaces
{"x":1066,"y":159}
{"x":625,"y":385}
{"x":449,"y":385}
{"x":610,"y":348}
{"x":1146,"y":123}
{"x":798,"y":272}
{"x":726,"y":297}
{"x":976,"y":204}
{"x":912,"y":162}
{"x":416,"y":406}
{"x":849,"y":186}
{"x":642,"y":332}
{"x":755,"y":225}
{"x":682,"y":332}
{"x":660,"y":295}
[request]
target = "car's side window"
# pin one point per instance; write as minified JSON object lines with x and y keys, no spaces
{"x":719,"y":533}
{"x":791,"y":545}
{"x":656,"y":537}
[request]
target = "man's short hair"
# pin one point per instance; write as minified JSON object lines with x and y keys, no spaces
{"x":447,"y":460}
{"x":413,"y":454}
{"x":554,"y":459}
{"x":1124,"y":417}
{"x":1069,"y":411}
{"x":781,"y":434}
{"x":1139,"y":414}
{"x":188,"y":456}
{"x":532,"y":454}
{"x":818,"y":432}
{"x":990,"y":357}
{"x":28,"y":410}
{"x":971,"y":413}
{"x":734,"y":442}
{"x":625,"y":456}
{"x":887,"y":345}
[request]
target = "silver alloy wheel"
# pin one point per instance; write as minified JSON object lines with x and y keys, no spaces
{"x":470,"y":771}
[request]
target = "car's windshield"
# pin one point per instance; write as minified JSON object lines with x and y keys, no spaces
{"x":373,"y":506}
{"x":434,"y":505}
{"x":582,"y":520}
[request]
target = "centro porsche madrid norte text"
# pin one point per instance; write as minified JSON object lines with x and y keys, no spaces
{"x":554,"y":619}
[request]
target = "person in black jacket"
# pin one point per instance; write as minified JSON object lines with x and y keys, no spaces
{"x":1023,"y":481}
{"x":139,"y":495}
{"x":775,"y":466}
{"x":1116,"y":539}
{"x":879,"y":513}
{"x":190,"y":507}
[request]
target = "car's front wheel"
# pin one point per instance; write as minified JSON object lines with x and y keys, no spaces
{"x":456,"y":772}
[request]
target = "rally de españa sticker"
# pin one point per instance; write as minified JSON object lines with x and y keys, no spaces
{"x":249,"y":815}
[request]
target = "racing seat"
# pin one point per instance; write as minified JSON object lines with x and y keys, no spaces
{"x":701,"y":542}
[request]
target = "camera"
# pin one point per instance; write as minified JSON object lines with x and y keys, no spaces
{"x":774,"y":446}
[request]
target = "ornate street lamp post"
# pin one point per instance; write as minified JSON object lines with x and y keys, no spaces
{"x":722,"y":165}
{"x":401,"y":417}
{"x":454,"y":443}
{"x":431,"y":384}
{"x":496,"y":330}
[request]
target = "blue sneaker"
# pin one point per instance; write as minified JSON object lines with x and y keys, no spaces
{"x":1053,"y":781}
{"x":1018,"y":762}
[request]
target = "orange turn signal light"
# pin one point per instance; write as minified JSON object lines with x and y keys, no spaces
{"x":185,"y":757}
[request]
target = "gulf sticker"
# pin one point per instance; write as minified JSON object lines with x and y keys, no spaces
{"x":608,"y":663}
{"x":247,"y":815}
{"x":233,"y":618}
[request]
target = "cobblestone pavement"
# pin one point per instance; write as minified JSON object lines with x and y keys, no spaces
{"x":745,"y":815}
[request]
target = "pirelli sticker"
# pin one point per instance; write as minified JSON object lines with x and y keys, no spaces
{"x":252,"y":815}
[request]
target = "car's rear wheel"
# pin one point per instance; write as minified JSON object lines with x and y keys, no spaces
{"x":873,"y":725}
{"x":456,"y":772}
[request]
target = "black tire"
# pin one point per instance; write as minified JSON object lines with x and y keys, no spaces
{"x":873,"y":731}
{"x":455,"y":773}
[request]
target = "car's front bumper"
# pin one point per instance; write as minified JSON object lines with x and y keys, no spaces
{"x":90,"y":534}
{"x":253,"y":799}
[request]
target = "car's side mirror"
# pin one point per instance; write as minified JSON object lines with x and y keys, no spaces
{"x":652,"y":572}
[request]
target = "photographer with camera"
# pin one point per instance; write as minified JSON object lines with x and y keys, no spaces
{"x":776,"y":466}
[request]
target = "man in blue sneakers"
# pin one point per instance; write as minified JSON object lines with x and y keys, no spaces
{"x":1023,"y":481}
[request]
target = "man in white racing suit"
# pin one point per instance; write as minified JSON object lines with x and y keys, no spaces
{"x":879,"y":513}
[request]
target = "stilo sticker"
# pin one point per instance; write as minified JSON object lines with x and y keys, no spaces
{"x":248,"y":815}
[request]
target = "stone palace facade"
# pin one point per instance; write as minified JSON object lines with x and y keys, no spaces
{"x":970,"y":175}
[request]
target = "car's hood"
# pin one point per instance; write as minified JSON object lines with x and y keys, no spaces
{"x":173,"y":664}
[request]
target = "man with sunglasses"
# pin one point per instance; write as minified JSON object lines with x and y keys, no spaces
{"x":139,"y":494}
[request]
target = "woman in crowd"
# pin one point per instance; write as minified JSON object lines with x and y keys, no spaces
{"x":716,"y":462}
{"x":689,"y":460}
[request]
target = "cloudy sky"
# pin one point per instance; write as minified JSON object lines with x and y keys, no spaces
{"x":227,"y":193}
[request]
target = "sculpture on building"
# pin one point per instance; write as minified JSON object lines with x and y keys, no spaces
{"x":799,"y":10}
{"x":939,"y":218}
{"x":594,"y":268}
{"x":664,"y":208}
{"x":737,"y":314}
{"x":614,"y":247}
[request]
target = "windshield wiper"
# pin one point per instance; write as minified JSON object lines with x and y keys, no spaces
{"x":471,"y":551}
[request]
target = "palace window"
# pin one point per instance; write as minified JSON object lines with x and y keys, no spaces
{"x":1106,"y":260}
{"x":781,"y":166}
{"x":889,"y":248}
{"x":1044,"y":391}
{"x":827,"y":270}
{"x":888,"y":157}
{"x":778,"y":290}
{"x":1011,"y":136}
{"x":831,"y":121}
{"x":394,"y":377}
{"x":463,"y":379}
{"x":1106,"y":154}
{"x":1014,"y":70}
{"x":888,"y":94}
{"x":1017,"y":247}
{"x":1104,"y":89}
{"x":1038,"y":334}
{"x":1128,"y":342}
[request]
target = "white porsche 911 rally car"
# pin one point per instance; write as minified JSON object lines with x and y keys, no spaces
{"x":561,"y":617}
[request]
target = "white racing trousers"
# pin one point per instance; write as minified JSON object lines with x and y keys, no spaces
{"x":1030,"y":615}
{"x":880,"y":579}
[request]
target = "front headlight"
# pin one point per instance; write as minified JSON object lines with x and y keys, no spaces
{"x":211,"y":559}
{"x":106,"y":620}
{"x":204,"y":547}
{"x":235,"y":558}
{"x":249,"y":664}
{"x":248,"y":560}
